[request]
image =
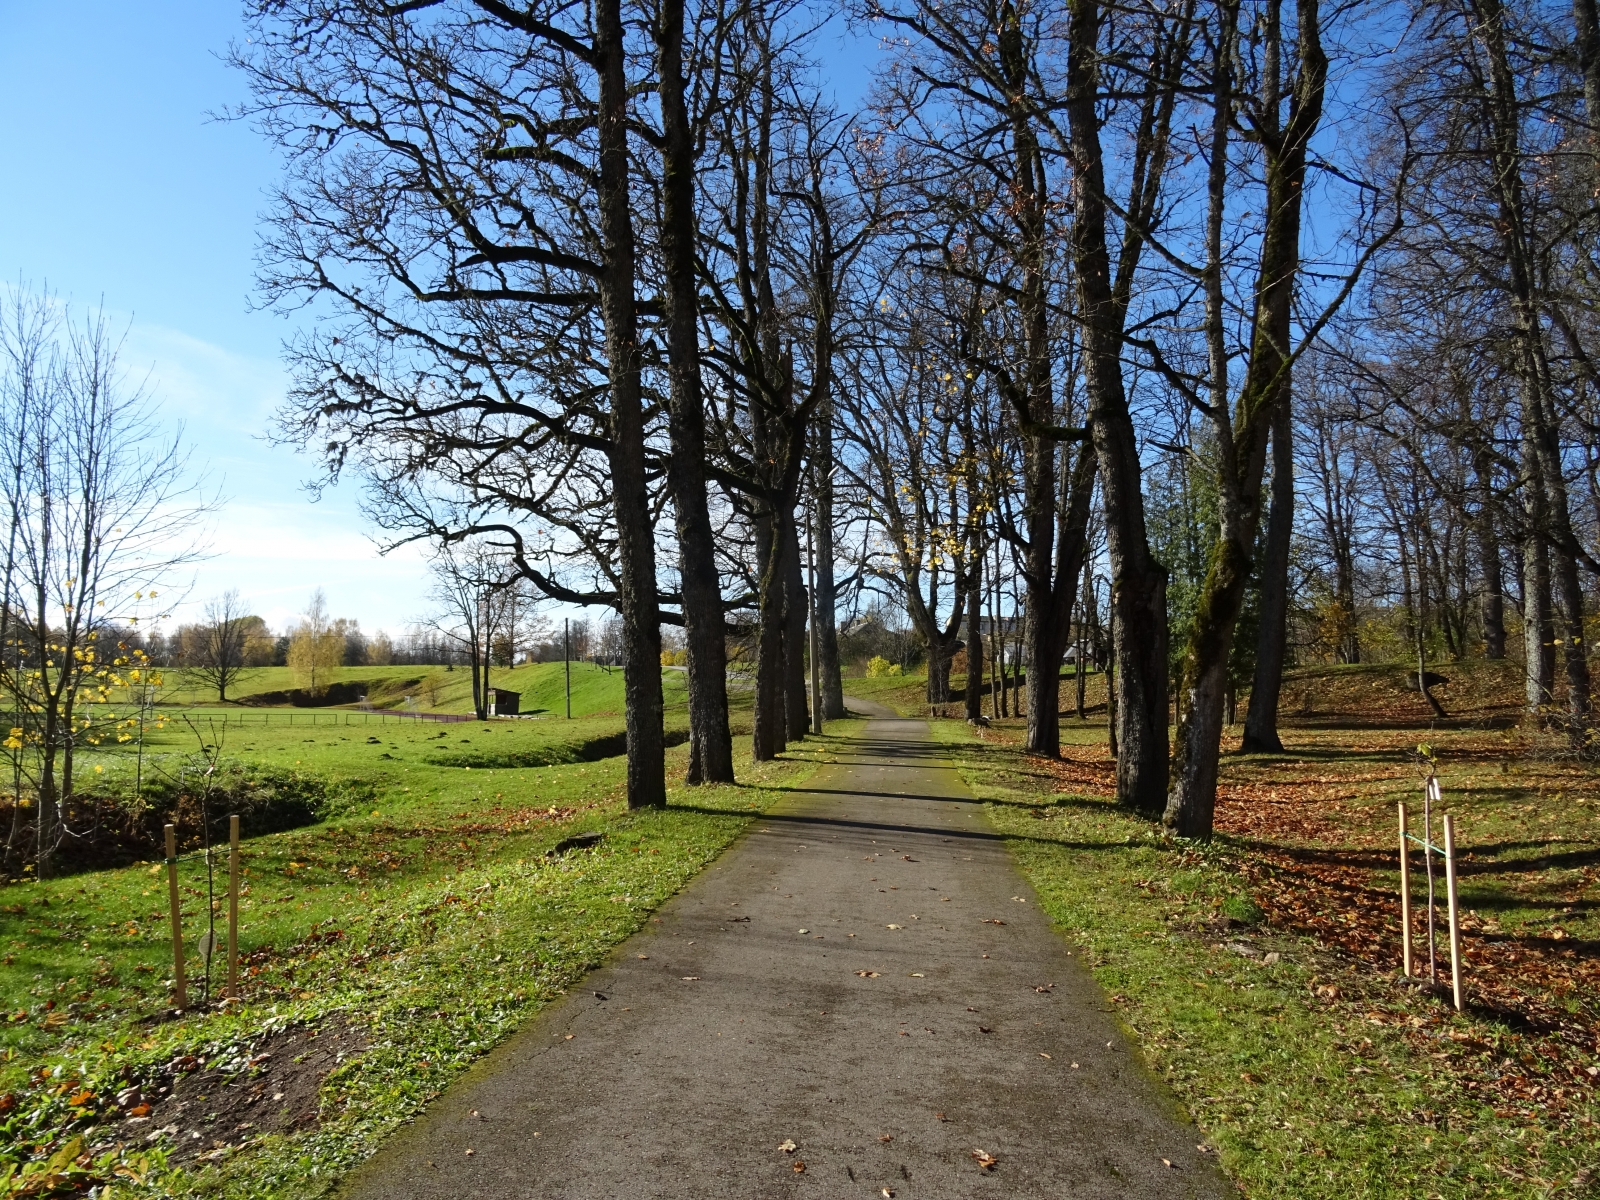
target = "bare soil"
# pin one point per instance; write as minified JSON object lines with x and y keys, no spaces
{"x":272,"y":1088}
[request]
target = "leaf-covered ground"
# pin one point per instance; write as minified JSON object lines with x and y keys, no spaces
{"x":1261,"y":972}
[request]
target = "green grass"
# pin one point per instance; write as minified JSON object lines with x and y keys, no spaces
{"x":908,"y":694}
{"x":1312,"y":1076}
{"x":429,"y":916}
{"x":596,"y":690}
{"x":182,"y":688}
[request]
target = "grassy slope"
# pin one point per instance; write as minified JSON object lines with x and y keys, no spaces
{"x":596,"y":690}
{"x":434,"y":899}
{"x":182,"y":688}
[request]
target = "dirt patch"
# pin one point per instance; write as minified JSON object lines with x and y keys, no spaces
{"x":267,"y":1087}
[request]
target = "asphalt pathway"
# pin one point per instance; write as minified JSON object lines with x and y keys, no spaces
{"x":866,"y":976}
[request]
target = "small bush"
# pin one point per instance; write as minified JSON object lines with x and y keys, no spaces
{"x":879,"y":667}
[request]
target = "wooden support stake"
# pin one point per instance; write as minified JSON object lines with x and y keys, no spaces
{"x":180,"y":987}
{"x":233,"y":907}
{"x":1405,"y":896}
{"x":1455,"y":920}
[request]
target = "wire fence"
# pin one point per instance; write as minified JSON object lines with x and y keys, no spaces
{"x":228,"y":718}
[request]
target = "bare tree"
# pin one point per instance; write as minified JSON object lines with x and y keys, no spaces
{"x":225,"y":636}
{"x":100,"y":507}
{"x":471,"y":227}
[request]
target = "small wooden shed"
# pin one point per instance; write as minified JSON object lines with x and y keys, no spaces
{"x":503,"y":703}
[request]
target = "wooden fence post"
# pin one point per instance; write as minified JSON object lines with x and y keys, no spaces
{"x":233,"y":907}
{"x":1455,"y":920}
{"x":1405,"y":896}
{"x":180,"y":987}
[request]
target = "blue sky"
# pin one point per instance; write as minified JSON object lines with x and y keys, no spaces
{"x":121,"y":189}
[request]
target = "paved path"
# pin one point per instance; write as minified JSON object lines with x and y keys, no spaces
{"x":742,"y":1019}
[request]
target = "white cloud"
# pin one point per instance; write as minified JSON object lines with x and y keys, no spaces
{"x":270,"y":539}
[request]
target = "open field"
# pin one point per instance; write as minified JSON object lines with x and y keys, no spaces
{"x":596,"y":690}
{"x":418,"y":925}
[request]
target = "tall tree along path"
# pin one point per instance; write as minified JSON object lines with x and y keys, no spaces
{"x":740,"y":1020}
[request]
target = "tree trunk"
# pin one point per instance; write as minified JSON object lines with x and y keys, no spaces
{"x":480,"y":706}
{"x":641,"y":625}
{"x":1139,"y":582}
{"x":1539,"y":430}
{"x":1492,"y":607}
{"x":1050,"y":609}
{"x":710,"y":742}
{"x":973,"y":691}
{"x":768,"y":736}
{"x":827,"y":588}
{"x":1265,"y":389}
{"x":1081,"y":673}
{"x":1261,"y":717}
{"x":797,"y":717}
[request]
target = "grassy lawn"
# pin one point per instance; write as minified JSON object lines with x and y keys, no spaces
{"x":908,"y":694}
{"x":596,"y":690}
{"x":409,"y":932}
{"x":1260,"y":973}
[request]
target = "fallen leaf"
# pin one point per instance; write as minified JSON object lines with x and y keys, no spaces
{"x":886,"y":1193}
{"x":918,"y":975}
{"x":139,"y":1110}
{"x":985,"y":1159}
{"x":471,"y":1151}
{"x":798,"y":1167}
{"x":690,"y":978}
{"x":886,"y":1137}
{"x":984,"y":1029}
{"x":788,"y":1146}
{"x":805,"y":931}
{"x":1167,"y":1162}
{"x":992,"y":921}
{"x":939,"y":1116}
{"x":894,"y":926}
{"x":868,"y":974}
{"x":1042,"y":1054}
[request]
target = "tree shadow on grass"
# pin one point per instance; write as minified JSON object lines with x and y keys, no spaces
{"x":801,"y":822}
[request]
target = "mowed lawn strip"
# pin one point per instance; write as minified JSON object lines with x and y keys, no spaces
{"x":596,"y":688}
{"x":433,"y":921}
{"x":1312,"y":1075}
